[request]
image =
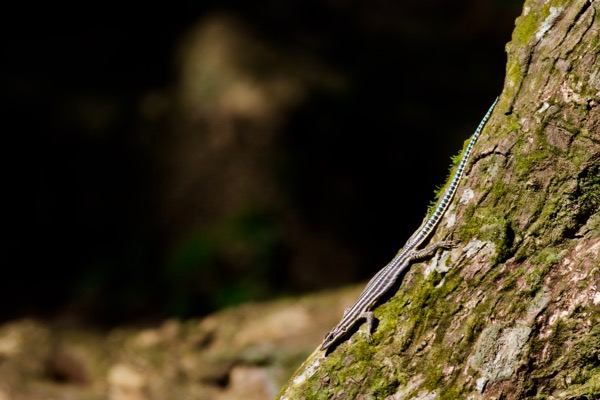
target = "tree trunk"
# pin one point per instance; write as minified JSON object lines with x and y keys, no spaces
{"x":514,"y":311}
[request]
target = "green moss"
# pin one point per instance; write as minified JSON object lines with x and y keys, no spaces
{"x":529,"y":161}
{"x":581,"y":368}
{"x":433,"y":375}
{"x":428,"y":310}
{"x":512,"y":122}
{"x":579,"y":151}
{"x":473,"y":327}
{"x":471,"y":225}
{"x":525,"y":28}
{"x":551,"y":258}
{"x":346,"y":363}
{"x":382,"y":387}
{"x":488,"y":225}
{"x":588,"y":184}
{"x":534,"y":279}
{"x":513,"y":75}
{"x":546,"y":257}
{"x":587,"y":352}
{"x":450,"y":394}
{"x":436,"y":358}
{"x":589,"y":390}
{"x":440,"y":190}
{"x":561,"y":335}
{"x":386,"y":315}
{"x":504,"y":238}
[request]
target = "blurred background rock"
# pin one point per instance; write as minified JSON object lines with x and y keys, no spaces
{"x":172,"y":160}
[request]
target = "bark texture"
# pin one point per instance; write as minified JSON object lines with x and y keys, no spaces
{"x":514,"y":311}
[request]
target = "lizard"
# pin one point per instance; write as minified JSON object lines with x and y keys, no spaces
{"x":381,"y":283}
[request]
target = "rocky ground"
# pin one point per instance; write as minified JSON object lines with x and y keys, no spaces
{"x":246,"y":352}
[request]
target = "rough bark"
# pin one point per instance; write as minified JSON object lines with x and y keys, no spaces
{"x":513,"y":311}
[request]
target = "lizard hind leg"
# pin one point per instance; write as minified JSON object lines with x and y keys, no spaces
{"x":368,"y":315}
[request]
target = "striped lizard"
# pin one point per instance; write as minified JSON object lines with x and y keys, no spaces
{"x":387,"y":276}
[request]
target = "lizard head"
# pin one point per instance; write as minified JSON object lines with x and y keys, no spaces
{"x":333,"y":336}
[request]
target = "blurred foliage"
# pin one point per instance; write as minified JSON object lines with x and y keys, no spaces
{"x":175,"y":160}
{"x":198,"y":276}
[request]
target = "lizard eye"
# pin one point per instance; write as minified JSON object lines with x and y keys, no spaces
{"x":342,"y":330}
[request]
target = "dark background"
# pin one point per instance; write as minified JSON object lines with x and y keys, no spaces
{"x":126,"y":201}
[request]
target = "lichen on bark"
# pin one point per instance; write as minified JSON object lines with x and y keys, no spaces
{"x":514,"y":311}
